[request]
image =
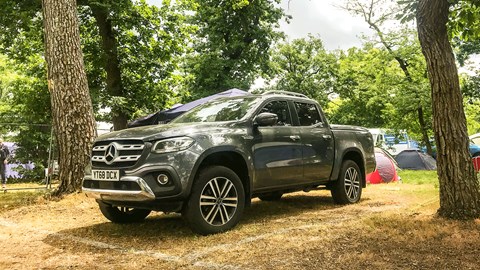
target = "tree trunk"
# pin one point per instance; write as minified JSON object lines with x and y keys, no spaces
{"x":459,"y":187}
{"x":112,"y":64}
{"x":72,"y":111}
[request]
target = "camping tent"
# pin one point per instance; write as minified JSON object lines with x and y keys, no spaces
{"x":166,"y":116}
{"x":414,"y":159}
{"x":386,"y":170}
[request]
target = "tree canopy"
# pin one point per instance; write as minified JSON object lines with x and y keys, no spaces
{"x":231,"y":47}
{"x":304,"y":66}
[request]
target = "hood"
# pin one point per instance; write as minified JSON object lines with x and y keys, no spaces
{"x":155,"y":132}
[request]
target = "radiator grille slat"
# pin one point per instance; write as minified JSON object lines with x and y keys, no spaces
{"x":116,"y":154}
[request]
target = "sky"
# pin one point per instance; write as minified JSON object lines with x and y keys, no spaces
{"x":337,"y":28}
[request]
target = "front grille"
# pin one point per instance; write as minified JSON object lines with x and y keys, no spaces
{"x":117,"y":154}
{"x":112,"y":185}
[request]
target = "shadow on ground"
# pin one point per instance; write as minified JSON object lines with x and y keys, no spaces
{"x":167,"y":231}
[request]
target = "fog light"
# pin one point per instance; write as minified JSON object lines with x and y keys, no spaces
{"x":162,"y":179}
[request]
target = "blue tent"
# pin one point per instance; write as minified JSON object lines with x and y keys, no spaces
{"x":166,"y":116}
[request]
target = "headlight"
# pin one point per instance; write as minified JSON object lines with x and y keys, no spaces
{"x":172,"y":145}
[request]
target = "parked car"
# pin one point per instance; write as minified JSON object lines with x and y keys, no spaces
{"x":210,"y":162}
{"x":473,"y":148}
{"x":475,"y":138}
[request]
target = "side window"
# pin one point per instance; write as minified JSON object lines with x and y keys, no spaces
{"x":308,"y":114}
{"x":280,"y":108}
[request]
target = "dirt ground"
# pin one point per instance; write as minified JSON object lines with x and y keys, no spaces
{"x":393,"y":227}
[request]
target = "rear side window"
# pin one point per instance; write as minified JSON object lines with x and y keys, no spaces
{"x":308,"y":114}
{"x":280,"y":108}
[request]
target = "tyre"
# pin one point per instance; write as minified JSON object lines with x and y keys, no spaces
{"x":216,"y":202}
{"x":348,"y":188}
{"x":269,"y":197}
{"x":123,"y":214}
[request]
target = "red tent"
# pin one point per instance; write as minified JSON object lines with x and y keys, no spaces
{"x":476,"y":163}
{"x":386,"y":170}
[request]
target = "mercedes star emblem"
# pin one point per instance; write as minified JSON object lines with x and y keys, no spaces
{"x":111,"y":153}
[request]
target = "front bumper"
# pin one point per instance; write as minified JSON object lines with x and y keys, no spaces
{"x":144,"y":193}
{"x":135,"y":186}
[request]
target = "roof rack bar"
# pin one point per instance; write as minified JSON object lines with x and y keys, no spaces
{"x":288,"y":93}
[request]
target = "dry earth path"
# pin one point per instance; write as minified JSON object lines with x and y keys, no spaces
{"x":302,"y":231}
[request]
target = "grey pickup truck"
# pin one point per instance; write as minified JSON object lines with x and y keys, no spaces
{"x":210,"y":162}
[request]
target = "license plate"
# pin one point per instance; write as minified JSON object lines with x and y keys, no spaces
{"x":107,"y":175}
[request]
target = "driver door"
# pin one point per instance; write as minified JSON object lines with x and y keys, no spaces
{"x":277,"y":150}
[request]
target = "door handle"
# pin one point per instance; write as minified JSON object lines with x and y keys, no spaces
{"x":295,"y":137}
{"x":327,"y":137}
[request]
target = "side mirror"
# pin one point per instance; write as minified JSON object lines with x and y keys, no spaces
{"x":266,"y":119}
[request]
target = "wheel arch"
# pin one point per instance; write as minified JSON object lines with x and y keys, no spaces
{"x":228,"y":157}
{"x":354,"y":155}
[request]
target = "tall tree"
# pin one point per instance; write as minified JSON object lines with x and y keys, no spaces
{"x":459,"y":186}
{"x":304,"y":66}
{"x":232,"y":44}
{"x":140,"y":45}
{"x":72,"y":111}
{"x":131,"y":49}
{"x":376,"y":13}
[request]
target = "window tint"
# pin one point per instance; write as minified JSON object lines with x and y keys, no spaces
{"x":218,"y":110}
{"x":280,"y":108}
{"x":307,"y":114}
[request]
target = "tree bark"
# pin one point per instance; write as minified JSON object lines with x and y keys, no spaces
{"x":459,"y":187}
{"x":72,"y":111}
{"x":112,"y":64}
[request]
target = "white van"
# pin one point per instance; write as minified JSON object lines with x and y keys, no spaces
{"x":393,"y":143}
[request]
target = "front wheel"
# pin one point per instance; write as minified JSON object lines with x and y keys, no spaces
{"x":217,"y":201}
{"x":119,"y":214}
{"x":348,"y":188}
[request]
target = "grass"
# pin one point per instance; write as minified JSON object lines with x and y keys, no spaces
{"x":419,"y":177}
{"x":18,"y":195}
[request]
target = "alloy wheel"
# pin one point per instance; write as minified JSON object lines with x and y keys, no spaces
{"x":218,"y":201}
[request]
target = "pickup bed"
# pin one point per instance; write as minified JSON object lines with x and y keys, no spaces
{"x":210,"y":162}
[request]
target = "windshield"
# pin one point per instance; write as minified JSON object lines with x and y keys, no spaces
{"x":218,"y":111}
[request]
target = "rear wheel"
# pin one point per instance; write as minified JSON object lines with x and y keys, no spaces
{"x":348,"y":188}
{"x":123,"y":214}
{"x":217,"y":201}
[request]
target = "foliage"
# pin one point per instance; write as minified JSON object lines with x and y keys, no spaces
{"x":403,"y":47}
{"x":373,"y":90}
{"x":472,"y":112}
{"x":464,"y":49}
{"x":232,"y":43}
{"x":26,"y":112}
{"x":150,"y":41}
{"x":464,"y":20}
{"x":362,"y":87}
{"x":304,"y":66}
{"x":463,"y":24}
{"x":471,"y":87}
